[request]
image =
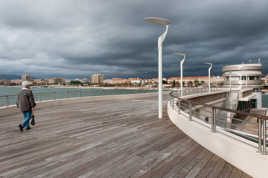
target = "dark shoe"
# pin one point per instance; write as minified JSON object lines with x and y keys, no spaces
{"x":28,"y":128}
{"x":21,"y":128}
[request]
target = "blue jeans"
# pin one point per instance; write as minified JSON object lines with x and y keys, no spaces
{"x":27,"y":117}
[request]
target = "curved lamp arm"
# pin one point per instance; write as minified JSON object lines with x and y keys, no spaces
{"x":162,"y":37}
{"x":210,"y":66}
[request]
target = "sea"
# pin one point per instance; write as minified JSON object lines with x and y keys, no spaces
{"x":42,"y":94}
{"x":61,"y":93}
{"x":265,"y":100}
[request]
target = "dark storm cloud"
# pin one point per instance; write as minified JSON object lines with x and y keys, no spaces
{"x":79,"y":37}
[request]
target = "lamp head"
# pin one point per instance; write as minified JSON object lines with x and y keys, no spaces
{"x":157,"y":20}
{"x":181,"y":54}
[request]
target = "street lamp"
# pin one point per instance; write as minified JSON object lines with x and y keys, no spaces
{"x":161,"y":38}
{"x":209,"y":71}
{"x":181,"y":68}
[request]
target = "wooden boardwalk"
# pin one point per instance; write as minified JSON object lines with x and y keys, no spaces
{"x":112,"y":136}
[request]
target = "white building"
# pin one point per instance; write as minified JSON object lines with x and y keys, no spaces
{"x":243,"y":76}
{"x":97,"y":78}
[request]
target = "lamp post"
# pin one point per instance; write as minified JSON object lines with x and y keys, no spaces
{"x":209,"y":80}
{"x":161,"y":38}
{"x":181,"y":68}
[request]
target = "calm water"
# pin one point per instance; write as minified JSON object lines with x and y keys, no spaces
{"x":59,"y":93}
{"x":265,"y":100}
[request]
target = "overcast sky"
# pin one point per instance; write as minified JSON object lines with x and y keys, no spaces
{"x":75,"y":38}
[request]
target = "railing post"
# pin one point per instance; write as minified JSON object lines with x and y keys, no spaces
{"x":190,"y":110}
{"x":264,"y":137}
{"x":213,"y":121}
{"x":174,"y":100}
{"x":179,"y":106}
{"x":55,"y":95}
{"x":80,"y":93}
{"x":260,"y":135}
{"x":7,"y":103}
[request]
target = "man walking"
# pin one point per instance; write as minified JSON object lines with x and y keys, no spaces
{"x":26,"y":103}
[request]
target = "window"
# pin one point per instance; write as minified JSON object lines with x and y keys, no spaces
{"x":251,"y":78}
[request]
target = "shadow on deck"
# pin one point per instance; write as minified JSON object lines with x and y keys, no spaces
{"x":111,"y":136}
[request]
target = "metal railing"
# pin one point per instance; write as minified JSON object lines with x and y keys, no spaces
{"x":8,"y":100}
{"x":249,"y":125}
{"x":192,"y":91}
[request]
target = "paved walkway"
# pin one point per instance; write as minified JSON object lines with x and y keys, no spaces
{"x":111,"y":136}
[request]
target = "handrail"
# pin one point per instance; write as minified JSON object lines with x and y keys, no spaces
{"x":41,"y":93}
{"x":39,"y":96}
{"x":259,"y":116}
{"x":183,"y":104}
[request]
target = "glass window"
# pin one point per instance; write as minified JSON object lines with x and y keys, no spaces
{"x":251,"y":78}
{"x":244,"y":78}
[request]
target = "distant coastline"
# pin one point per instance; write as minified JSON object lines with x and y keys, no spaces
{"x":87,"y":87}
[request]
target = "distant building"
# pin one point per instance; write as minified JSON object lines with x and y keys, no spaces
{"x":115,"y":81}
{"x":155,"y":80}
{"x":196,"y":80}
{"x":85,"y":80}
{"x":4,"y":82}
{"x":243,"y":75}
{"x":26,"y":77}
{"x":68,"y":81}
{"x":51,"y":81}
{"x":15,"y":82}
{"x":40,"y":82}
{"x":97,"y":78}
{"x":56,"y":81}
{"x":135,"y":81}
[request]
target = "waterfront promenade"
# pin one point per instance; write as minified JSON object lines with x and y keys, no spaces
{"x":105,"y":136}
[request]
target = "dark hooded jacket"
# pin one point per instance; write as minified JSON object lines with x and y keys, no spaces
{"x":26,"y":100}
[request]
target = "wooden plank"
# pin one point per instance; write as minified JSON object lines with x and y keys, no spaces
{"x":208,"y":167}
{"x":236,"y":173}
{"x":199,"y":165}
{"x":109,"y":136}
{"x":226,"y":171}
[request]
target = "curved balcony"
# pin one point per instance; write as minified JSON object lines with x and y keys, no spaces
{"x":243,"y":67}
{"x":218,"y":130}
{"x":244,"y":82}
